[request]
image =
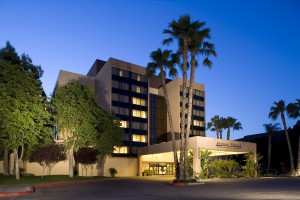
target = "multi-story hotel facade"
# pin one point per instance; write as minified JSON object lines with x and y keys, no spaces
{"x":123,"y":89}
{"x":138,"y":101}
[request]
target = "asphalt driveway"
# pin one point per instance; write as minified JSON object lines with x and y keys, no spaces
{"x":158,"y":189}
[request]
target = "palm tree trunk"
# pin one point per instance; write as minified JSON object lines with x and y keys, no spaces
{"x":269,"y":153}
{"x":162,"y":76}
{"x":228,"y":133}
{"x":6,"y":162}
{"x":184,"y":110}
{"x":289,"y":145}
{"x":189,"y":114}
{"x":298,"y":165}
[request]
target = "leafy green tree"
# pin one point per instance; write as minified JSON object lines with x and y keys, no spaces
{"x":270,"y":129}
{"x":48,"y":156}
{"x":77,"y":114}
{"x":9,"y":54}
{"x":279,"y":109}
{"x":294,"y":112}
{"x":229,"y":123}
{"x":109,"y":135}
{"x":25,"y":119}
{"x":86,"y":156}
{"x":165,"y":60}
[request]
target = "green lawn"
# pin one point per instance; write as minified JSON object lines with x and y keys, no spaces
{"x":11,"y":180}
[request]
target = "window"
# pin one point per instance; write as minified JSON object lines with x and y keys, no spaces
{"x":120,"y":110}
{"x":120,"y":72}
{"x":138,"y":101}
{"x":198,"y":123}
{"x":124,"y":124}
{"x":138,"y":125}
{"x":124,"y":86}
{"x":122,"y":149}
{"x":139,"y":138}
{"x":138,"y":89}
{"x":126,"y":137}
{"x":199,"y":133}
{"x":198,"y":103}
{"x":121,"y":98}
{"x":198,"y":113}
{"x":139,"y":113}
{"x":139,"y":77}
{"x":120,"y":85}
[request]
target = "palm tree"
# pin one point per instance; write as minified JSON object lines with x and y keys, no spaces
{"x":231,"y":122}
{"x":182,"y":30}
{"x":278,"y":109}
{"x":294,"y":112}
{"x":270,"y":129}
{"x":161,"y":60}
{"x":216,"y":125}
{"x":198,"y":45}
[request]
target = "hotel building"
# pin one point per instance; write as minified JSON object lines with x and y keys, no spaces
{"x":123,"y":89}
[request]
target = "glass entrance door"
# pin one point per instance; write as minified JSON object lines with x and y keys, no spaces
{"x":161,"y":168}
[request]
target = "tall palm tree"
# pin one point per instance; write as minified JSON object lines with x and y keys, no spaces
{"x":198,"y":46}
{"x":181,"y":31}
{"x":270,"y":129}
{"x":162,"y":60}
{"x":279,"y":109}
{"x":231,"y":122}
{"x":294,"y":112}
{"x":216,"y":125}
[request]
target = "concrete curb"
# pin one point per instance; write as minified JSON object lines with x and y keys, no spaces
{"x":10,"y":194}
{"x":72,"y":182}
{"x":186,"y":184}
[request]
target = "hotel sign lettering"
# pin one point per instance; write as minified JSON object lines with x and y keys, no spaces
{"x":230,"y":145}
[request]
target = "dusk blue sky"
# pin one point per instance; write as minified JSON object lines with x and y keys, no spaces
{"x":257,"y":42}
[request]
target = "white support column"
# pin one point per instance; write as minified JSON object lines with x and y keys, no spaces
{"x":196,"y":160}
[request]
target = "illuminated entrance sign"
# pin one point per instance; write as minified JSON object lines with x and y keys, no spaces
{"x":230,"y":145}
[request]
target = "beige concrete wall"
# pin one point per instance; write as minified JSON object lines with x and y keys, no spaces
{"x":61,"y":168}
{"x":103,"y":86}
{"x":124,"y":166}
{"x":173,"y":88}
{"x":65,"y":77}
{"x":126,"y":66}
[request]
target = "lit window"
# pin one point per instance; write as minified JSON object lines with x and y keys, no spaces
{"x":198,"y":123}
{"x":139,"y":89}
{"x":122,"y":149}
{"x":124,"y":124}
{"x":138,"y":101}
{"x":139,"y":113}
{"x":139,"y":138}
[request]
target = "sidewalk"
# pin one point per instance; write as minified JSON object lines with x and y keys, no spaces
{"x":15,"y":190}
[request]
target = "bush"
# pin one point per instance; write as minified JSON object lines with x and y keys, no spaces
{"x":224,"y":168}
{"x":112,"y":171}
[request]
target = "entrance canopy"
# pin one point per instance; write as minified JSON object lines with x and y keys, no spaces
{"x":163,"y":152}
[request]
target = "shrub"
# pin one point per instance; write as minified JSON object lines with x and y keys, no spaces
{"x":112,"y":171}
